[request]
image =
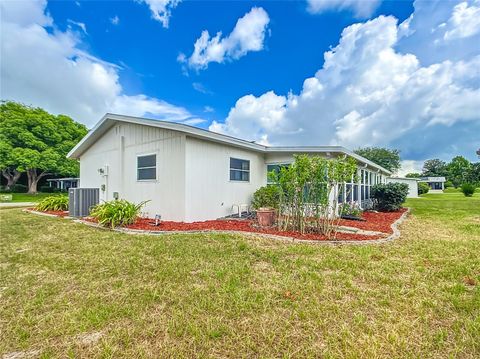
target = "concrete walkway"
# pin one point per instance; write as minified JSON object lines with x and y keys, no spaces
{"x":16,"y":204}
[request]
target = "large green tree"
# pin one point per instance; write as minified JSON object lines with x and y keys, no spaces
{"x":458,"y":170}
{"x":36,"y":142}
{"x":434,"y":168}
{"x":385,"y":157}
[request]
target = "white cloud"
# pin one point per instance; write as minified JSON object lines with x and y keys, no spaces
{"x":198,"y":86}
{"x":161,"y":9}
{"x":208,"y":109}
{"x":367,"y":93}
{"x":360,"y":8}
{"x":441,"y":30}
{"x":115,"y":20}
{"x":248,"y":35}
{"x":81,"y":25}
{"x":410,"y":166}
{"x":464,"y":22}
{"x":44,"y":66}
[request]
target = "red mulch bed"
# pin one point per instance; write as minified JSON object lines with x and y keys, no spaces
{"x":237,"y":225}
{"x":375,"y":221}
{"x":55,"y":213}
{"x":379,"y":222}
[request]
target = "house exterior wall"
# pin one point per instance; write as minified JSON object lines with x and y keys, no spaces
{"x":116,"y":152}
{"x":209,"y":192}
{"x":411,"y":182}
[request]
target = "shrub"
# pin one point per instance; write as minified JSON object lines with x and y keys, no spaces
{"x":47,"y":189}
{"x":448,"y":184}
{"x":423,"y":188}
{"x":116,"y":213}
{"x":267,"y":196}
{"x":16,"y":188}
{"x":468,"y":189}
{"x":350,"y":209}
{"x":389,"y":197}
{"x":53,"y":203}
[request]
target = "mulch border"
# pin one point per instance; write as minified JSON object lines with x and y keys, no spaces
{"x":396,"y":232}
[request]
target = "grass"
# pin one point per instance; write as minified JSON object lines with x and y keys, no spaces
{"x":26,"y":197}
{"x":227,"y":296}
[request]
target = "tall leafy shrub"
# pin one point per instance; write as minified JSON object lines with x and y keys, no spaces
{"x":116,"y":213}
{"x":305,"y":188}
{"x":53,"y":203}
{"x":468,"y":189}
{"x":390,"y":196}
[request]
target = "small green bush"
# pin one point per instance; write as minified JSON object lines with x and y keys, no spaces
{"x":16,"y":188}
{"x":267,"y":196}
{"x":448,"y":184}
{"x":423,"y":188}
{"x":349,"y":209}
{"x":116,"y":213}
{"x":468,"y":189}
{"x":389,"y":197}
{"x":53,"y":203}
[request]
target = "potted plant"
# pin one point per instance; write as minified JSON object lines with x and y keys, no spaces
{"x":265,"y":201}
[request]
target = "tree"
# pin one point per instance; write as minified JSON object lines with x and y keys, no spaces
{"x":413,"y":175}
{"x":458,"y":170}
{"x":387,"y":158}
{"x":434,"y":168}
{"x":8,"y":164}
{"x":37,"y":142}
{"x":473,"y":176}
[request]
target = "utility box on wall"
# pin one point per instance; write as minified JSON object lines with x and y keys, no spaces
{"x":80,"y":200}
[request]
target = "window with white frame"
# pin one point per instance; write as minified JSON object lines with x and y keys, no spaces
{"x":147,"y":167}
{"x":239,"y":170}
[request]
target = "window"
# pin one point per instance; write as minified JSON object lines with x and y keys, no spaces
{"x":276,"y":169}
{"x":239,"y":170}
{"x":147,"y":167}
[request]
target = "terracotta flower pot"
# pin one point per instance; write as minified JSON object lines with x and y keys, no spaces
{"x":266,"y":217}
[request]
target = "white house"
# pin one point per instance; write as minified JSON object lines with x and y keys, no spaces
{"x":190,"y":174}
{"x":436,"y":184}
{"x":411,"y":182}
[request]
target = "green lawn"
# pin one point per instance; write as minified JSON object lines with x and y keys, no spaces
{"x":226,"y":296}
{"x":25,"y":197}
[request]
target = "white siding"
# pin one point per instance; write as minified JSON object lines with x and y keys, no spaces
{"x":209,"y":192}
{"x":118,"y":150}
{"x":412,"y":185}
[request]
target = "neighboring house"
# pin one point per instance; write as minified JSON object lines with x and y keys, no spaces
{"x":63,"y":183}
{"x":437,"y":184}
{"x":190,"y":174}
{"x":411,"y":182}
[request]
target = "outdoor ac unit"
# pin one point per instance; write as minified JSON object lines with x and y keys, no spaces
{"x":81,"y":200}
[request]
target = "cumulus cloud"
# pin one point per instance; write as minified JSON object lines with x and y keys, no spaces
{"x":370,"y":94}
{"x":464,"y":22}
{"x":248,"y":35}
{"x":360,"y":8}
{"x":161,"y":9}
{"x":44,"y":66}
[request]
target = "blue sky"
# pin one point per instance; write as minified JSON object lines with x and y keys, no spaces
{"x":399,"y":74}
{"x":147,"y":52}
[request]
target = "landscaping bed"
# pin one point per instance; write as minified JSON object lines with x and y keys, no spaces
{"x":374,"y":221}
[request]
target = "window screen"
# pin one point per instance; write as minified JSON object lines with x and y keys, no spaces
{"x":239,"y":170}
{"x":147,"y":167}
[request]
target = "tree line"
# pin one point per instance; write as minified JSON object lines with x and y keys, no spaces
{"x":35,"y":142}
{"x":457,"y":172}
